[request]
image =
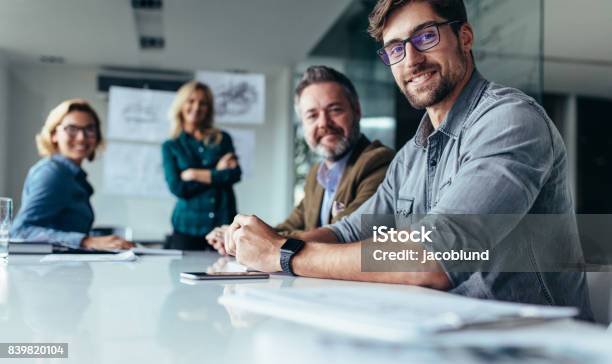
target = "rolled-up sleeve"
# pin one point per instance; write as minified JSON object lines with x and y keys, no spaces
{"x":228,"y":176}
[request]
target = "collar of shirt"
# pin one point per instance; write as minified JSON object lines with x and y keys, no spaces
{"x":188,"y":138}
{"x":72,"y":167}
{"x":328,"y":177}
{"x":463,"y":106}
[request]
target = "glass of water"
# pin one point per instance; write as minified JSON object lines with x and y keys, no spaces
{"x":6,"y":216}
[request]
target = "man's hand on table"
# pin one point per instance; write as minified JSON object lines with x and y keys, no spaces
{"x":216,"y":239}
{"x":254,"y":243}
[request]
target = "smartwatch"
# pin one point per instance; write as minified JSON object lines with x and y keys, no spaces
{"x":288,"y":251}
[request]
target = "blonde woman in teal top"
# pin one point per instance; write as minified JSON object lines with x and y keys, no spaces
{"x":200,"y":167}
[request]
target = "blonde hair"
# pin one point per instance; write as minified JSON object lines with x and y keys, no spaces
{"x":176,"y":115}
{"x":44,"y":139}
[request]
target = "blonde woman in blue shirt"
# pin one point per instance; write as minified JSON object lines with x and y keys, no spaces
{"x":200,"y":168}
{"x":55,"y":204}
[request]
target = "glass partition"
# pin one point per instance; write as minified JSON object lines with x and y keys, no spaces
{"x":508,"y":50}
{"x":508,"y":47}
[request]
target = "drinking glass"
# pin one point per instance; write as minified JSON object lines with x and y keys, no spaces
{"x":6,"y":216}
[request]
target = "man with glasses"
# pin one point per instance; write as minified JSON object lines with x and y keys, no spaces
{"x":481,"y":149}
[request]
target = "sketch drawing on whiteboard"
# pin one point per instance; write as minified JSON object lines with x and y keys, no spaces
{"x":236,"y":99}
{"x":239,"y":97}
{"x":138,"y":113}
{"x":134,"y":169}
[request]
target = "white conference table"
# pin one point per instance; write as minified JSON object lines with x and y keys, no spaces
{"x":134,"y":312}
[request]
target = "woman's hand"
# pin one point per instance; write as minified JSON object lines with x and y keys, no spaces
{"x":106,"y":243}
{"x":229,"y":160}
{"x":188,"y":175}
{"x":199,"y":175}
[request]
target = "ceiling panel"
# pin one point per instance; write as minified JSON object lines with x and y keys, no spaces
{"x":219,"y":34}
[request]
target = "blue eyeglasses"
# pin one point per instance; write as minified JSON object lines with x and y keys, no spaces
{"x":421,"y":40}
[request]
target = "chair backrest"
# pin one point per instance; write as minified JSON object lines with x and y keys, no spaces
{"x":600,"y":292}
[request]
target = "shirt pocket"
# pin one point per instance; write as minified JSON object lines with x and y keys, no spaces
{"x":443,"y":187}
{"x":403,"y":211}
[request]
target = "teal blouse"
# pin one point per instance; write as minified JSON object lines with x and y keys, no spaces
{"x":200,"y":207}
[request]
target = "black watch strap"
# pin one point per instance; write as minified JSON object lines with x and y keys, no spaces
{"x":288,"y":251}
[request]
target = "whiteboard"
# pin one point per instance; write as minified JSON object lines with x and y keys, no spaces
{"x":134,"y":169}
{"x":244,"y":144}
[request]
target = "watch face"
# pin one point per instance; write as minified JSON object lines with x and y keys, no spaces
{"x":292,"y":245}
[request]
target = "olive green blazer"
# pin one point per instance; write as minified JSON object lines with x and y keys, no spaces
{"x":364,"y":171}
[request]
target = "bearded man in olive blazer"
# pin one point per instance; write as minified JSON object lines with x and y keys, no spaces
{"x":352,"y":166}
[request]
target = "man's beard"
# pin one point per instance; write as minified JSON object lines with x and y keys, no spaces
{"x":341,"y":147}
{"x":436,"y":92}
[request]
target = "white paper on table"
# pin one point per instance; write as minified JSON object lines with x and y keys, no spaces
{"x":127,"y":256}
{"x":141,"y":250}
{"x":383,"y":313}
{"x":562,"y":341}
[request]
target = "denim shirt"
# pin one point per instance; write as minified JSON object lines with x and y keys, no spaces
{"x":55,"y":203}
{"x":496,"y":152}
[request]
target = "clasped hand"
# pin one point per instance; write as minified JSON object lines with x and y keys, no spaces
{"x":254,"y":243}
{"x":228,"y":161}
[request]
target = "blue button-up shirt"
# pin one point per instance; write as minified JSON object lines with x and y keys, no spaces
{"x":55,"y":203}
{"x":329,"y":178}
{"x":496,"y":152}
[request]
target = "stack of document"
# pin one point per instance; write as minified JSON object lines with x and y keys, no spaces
{"x":383,"y":313}
{"x":19,"y":246}
{"x":141,"y":250}
{"x":29,"y":247}
{"x":126,"y":256}
{"x":107,"y":256}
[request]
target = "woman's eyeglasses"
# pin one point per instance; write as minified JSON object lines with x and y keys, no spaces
{"x":88,"y":131}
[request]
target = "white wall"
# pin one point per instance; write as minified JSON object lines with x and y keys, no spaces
{"x":35,"y":89}
{"x":4,"y":87}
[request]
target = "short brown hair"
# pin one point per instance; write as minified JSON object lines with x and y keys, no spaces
{"x":447,"y":9}
{"x":320,"y":74}
{"x":44,"y":141}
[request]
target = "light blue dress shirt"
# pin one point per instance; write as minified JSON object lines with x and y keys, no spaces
{"x":55,"y":203}
{"x":329,"y":178}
